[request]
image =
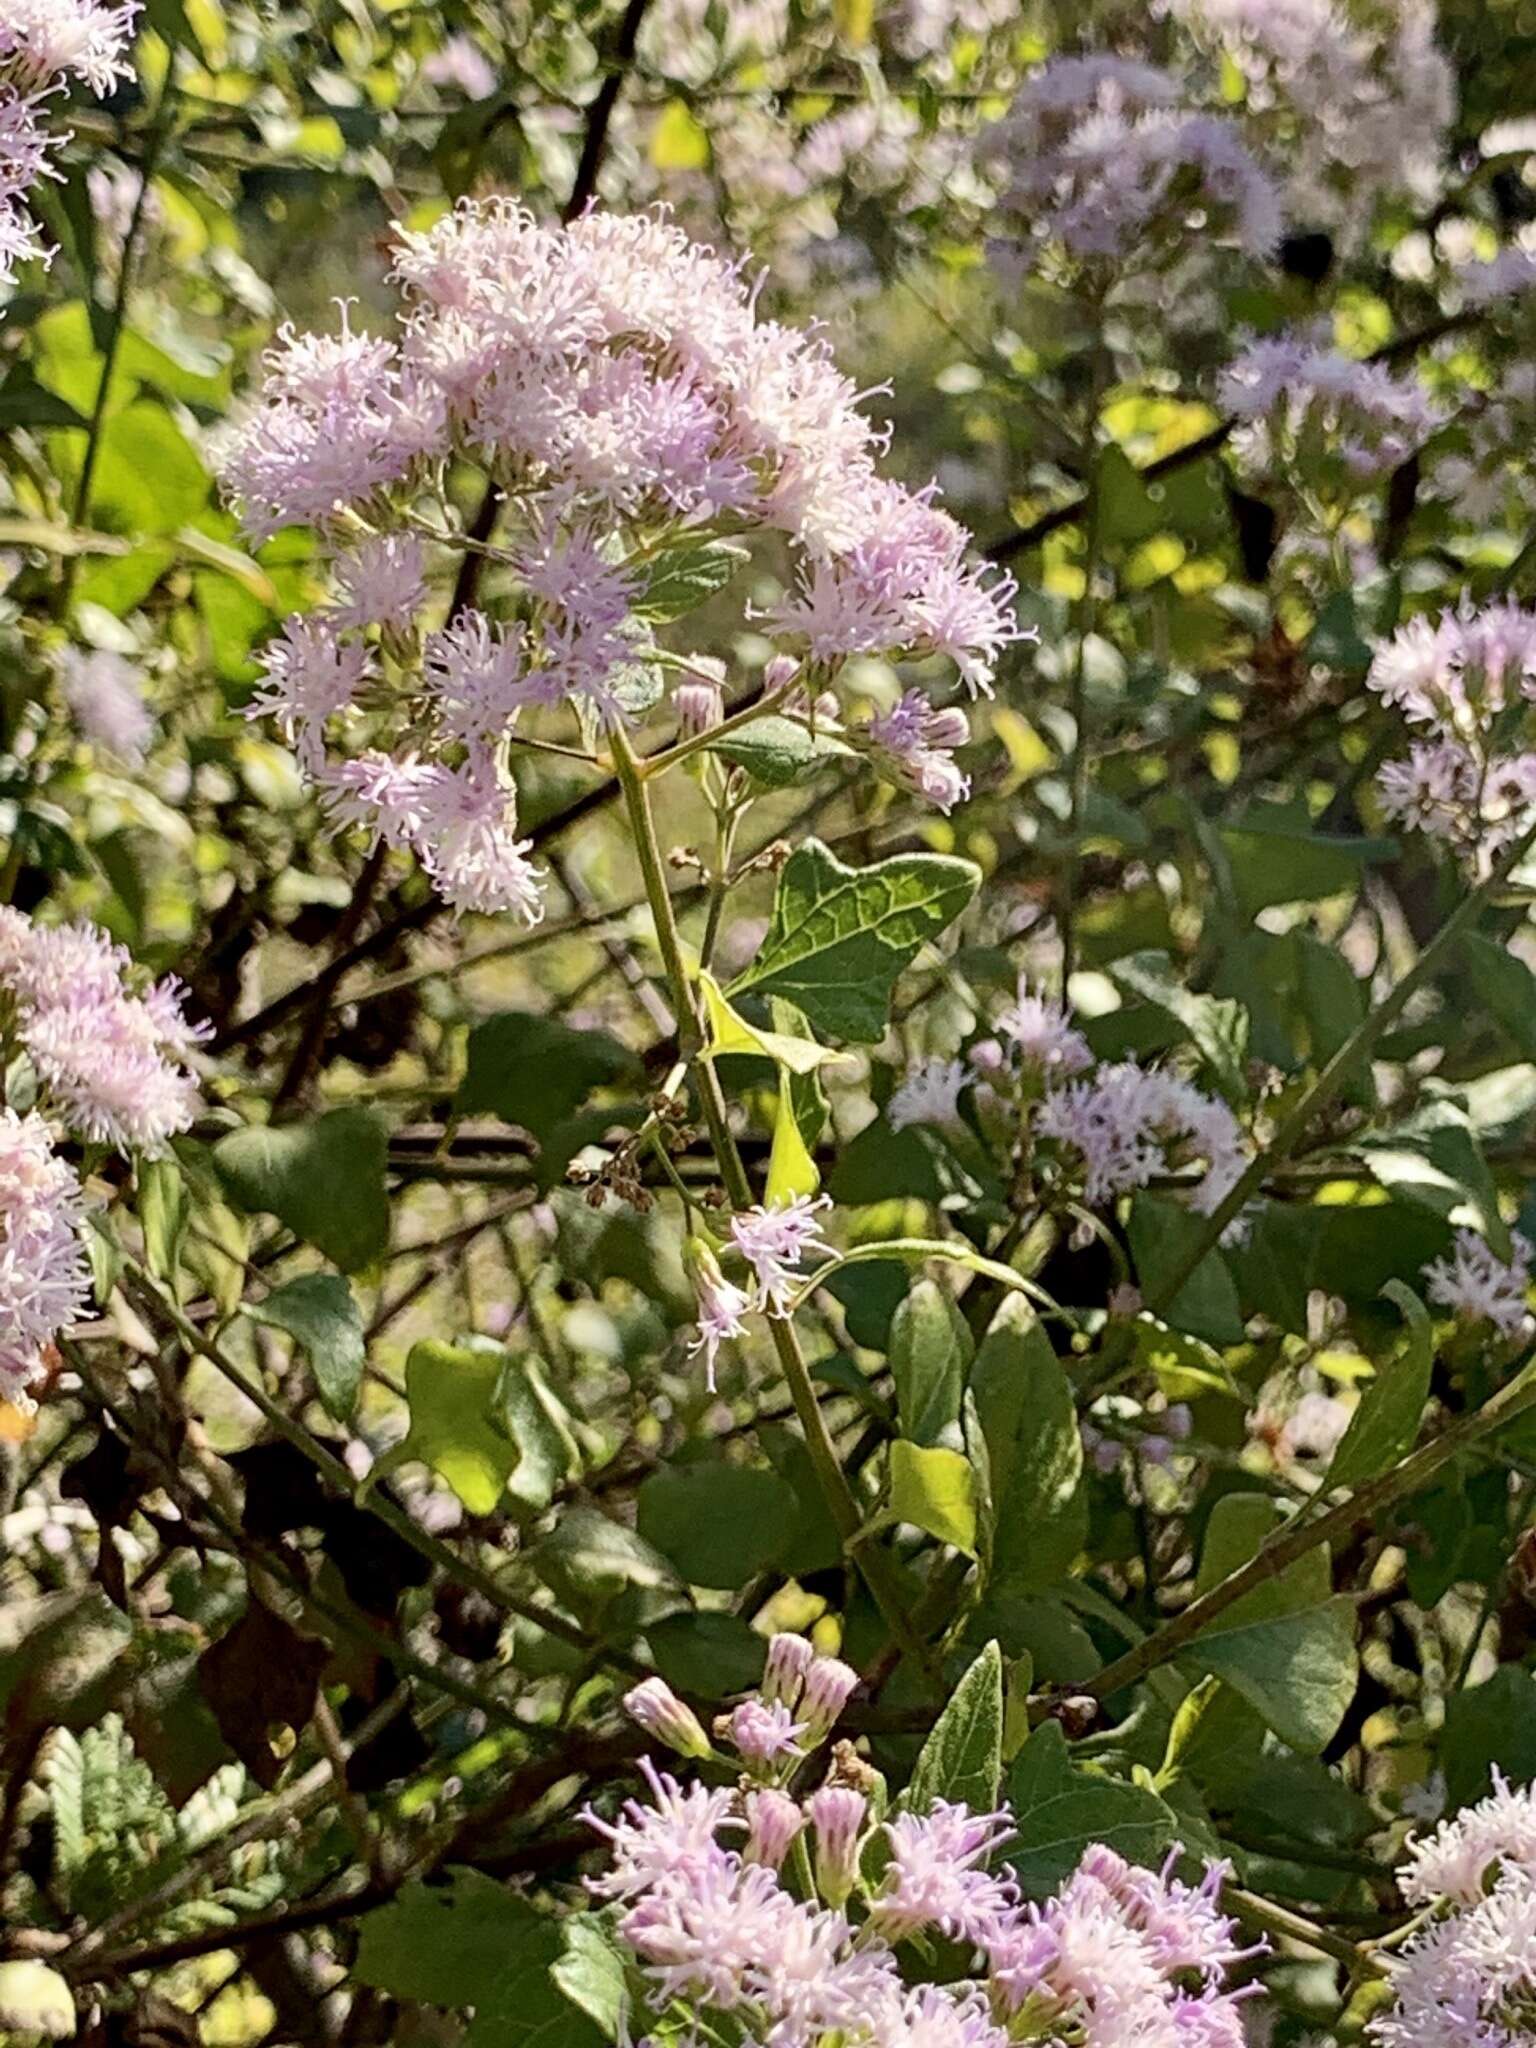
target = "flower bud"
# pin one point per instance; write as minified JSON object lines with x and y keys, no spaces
{"x":700,"y":706}
{"x":829,"y":1685}
{"x":781,"y":670}
{"x":837,"y":1813}
{"x":773,"y":1821}
{"x":789,"y":1659}
{"x":656,"y":1708}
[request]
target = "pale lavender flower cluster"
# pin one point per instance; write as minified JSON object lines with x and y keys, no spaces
{"x":1353,"y":105}
{"x":1119,"y":1954}
{"x":108,"y":1065}
{"x":622,"y":389}
{"x":1101,"y":157}
{"x":1467,"y":1979}
{"x":1479,"y":1286}
{"x":1467,"y":677}
{"x":1125,"y":1123}
{"x":111,"y":1061}
{"x":771,"y":1241}
{"x":1129,"y":1123}
{"x":44,"y":46}
{"x":1290,"y":392}
{"x":43,"y":1280}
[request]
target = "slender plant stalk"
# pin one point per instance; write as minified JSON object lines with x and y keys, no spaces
{"x":873,"y":1561}
{"x":1306,"y":1534}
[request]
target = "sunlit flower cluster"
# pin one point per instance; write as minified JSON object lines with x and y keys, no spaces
{"x":1468,"y":679}
{"x":45,"y":46}
{"x":1353,"y":104}
{"x":107,"y":1064}
{"x":1480,"y":1287}
{"x":1469,"y":1975}
{"x":1297,"y":398}
{"x":111,"y":1059}
{"x":1103,"y":157}
{"x":1119,"y":1125}
{"x":622,"y":389}
{"x":770,"y":1242}
{"x":1118,"y":1954}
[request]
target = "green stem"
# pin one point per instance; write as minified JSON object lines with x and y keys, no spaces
{"x":1269,"y":1918}
{"x":873,"y":1561}
{"x":153,"y":145}
{"x":952,"y":1249}
{"x":657,"y":764}
{"x":1366,"y":1502}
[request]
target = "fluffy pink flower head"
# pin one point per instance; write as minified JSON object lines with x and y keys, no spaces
{"x":111,"y":1060}
{"x":1456,"y":1860}
{"x":773,"y":1241}
{"x":930,"y":1094}
{"x":1042,"y":1037}
{"x":105,"y":696}
{"x":935,"y":1876}
{"x":43,"y":1279}
{"x":1477,"y":1285}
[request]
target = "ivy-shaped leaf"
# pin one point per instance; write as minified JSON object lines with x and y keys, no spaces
{"x":840,"y":936}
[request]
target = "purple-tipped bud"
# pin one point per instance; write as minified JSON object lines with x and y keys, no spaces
{"x":765,"y":1735}
{"x":837,"y":1813}
{"x":781,"y":670}
{"x":773,"y":1821}
{"x":789,"y":1659}
{"x":829,"y":1685}
{"x":656,"y":1708}
{"x":700,"y":706}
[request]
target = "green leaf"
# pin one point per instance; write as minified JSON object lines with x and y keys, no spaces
{"x":163,"y":1217}
{"x":1162,"y":1233}
{"x":1276,"y":857}
{"x":318,"y":1311}
{"x":26,"y":403}
{"x":452,"y":1394}
{"x":780,"y":752}
{"x":1433,"y":1159}
{"x":727,"y":1031}
{"x":1058,"y":1810}
{"x":1035,"y":1448}
{"x":1385,"y":1426}
{"x":1501,"y":981}
{"x":930,"y":1356}
{"x":719,"y":1524}
{"x":1299,"y":1671}
{"x":683,"y":577}
{"x":540,"y":1428}
{"x":711,"y":1655}
{"x":535,"y":1071}
{"x":474,"y":1942}
{"x":1286,"y":1647}
{"x":1488,"y":1724}
{"x":1217,"y":1027}
{"x":934,"y":1489}
{"x":324,"y":1179}
{"x":840,"y":936}
{"x":587,"y":1561}
{"x":591,"y":1972}
{"x":791,"y":1169}
{"x":148,"y":479}
{"x":963,"y":1756}
{"x":61,"y":1659}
